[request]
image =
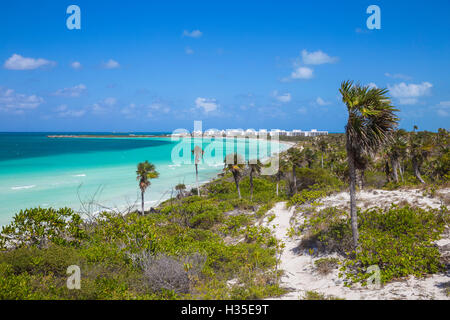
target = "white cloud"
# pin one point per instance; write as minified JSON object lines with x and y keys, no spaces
{"x":17,"y":62}
{"x":317,"y":57}
{"x":111,"y":64}
{"x":443,"y":113}
{"x":72,"y":92}
{"x":284,"y":98}
{"x":75,"y":65}
{"x":322,"y":102}
{"x":189,"y":50}
{"x":372,"y":85}
{"x":443,"y":108}
{"x":398,"y":76}
{"x":129,"y":110}
{"x":11,"y":101}
{"x":444,"y":104}
{"x":409,"y":93}
{"x":192,"y":34}
{"x":158,"y":106}
{"x":110,"y":101}
{"x":302,"y":73}
{"x":206,"y":104}
{"x":64,"y":112}
{"x":103,"y":106}
{"x":302,"y":110}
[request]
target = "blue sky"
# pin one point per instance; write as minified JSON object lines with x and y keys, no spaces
{"x":160,"y":65}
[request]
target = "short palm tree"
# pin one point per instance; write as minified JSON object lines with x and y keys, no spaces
{"x":235,"y":164}
{"x":180,"y":188}
{"x":145,"y":172}
{"x":255,"y":169}
{"x":198,"y":154}
{"x":323,"y":147}
{"x":371,"y":120}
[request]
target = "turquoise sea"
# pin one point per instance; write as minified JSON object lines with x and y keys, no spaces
{"x":39,"y":171}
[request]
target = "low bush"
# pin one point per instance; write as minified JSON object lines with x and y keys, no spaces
{"x":399,"y":241}
{"x":38,"y":227}
{"x":307,"y":178}
{"x":324,"y":266}
{"x":306,"y":196}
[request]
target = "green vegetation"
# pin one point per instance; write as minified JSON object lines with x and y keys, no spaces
{"x":398,"y":240}
{"x":313,"y":295}
{"x":326,"y":265}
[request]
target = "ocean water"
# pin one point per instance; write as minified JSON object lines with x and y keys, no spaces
{"x":39,"y":171}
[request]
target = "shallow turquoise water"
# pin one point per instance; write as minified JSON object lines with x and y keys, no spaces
{"x":38,"y":171}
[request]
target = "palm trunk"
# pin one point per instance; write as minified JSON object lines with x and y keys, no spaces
{"x":387,"y":171}
{"x":277,"y":187}
{"x":400,"y":168}
{"x":294,"y":177}
{"x":360,"y":179}
{"x":353,"y":214}
{"x":196,"y":179}
{"x":251,"y":185}
{"x":415,"y":165}
{"x":394,"y":170}
{"x":236,"y":181}
{"x":142,"y":202}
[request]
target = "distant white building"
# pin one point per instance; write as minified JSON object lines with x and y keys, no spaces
{"x":312,"y":133}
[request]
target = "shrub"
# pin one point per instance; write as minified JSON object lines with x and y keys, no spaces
{"x":326,"y":265}
{"x":399,"y":241}
{"x":306,"y":196}
{"x":163,"y":273}
{"x":374,"y":179}
{"x":264,"y":209}
{"x":15,"y":287}
{"x":318,"y":176}
{"x":313,"y":295}
{"x":52,"y":260}
{"x":41,"y":226}
{"x":328,"y":230}
{"x":233,"y":224}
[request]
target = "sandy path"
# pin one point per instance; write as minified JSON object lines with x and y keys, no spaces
{"x":300,"y":275}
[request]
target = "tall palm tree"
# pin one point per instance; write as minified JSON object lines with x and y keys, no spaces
{"x":322,"y":145}
{"x":371,"y":120}
{"x":396,"y":151}
{"x":145,"y":172}
{"x":295,"y":159}
{"x":255,"y":169}
{"x":282,"y":168}
{"x":235,"y":164}
{"x":198,"y":154}
{"x":309,"y":156}
{"x":420,"y":147}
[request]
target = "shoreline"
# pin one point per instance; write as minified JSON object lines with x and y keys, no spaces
{"x":167,"y":195}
